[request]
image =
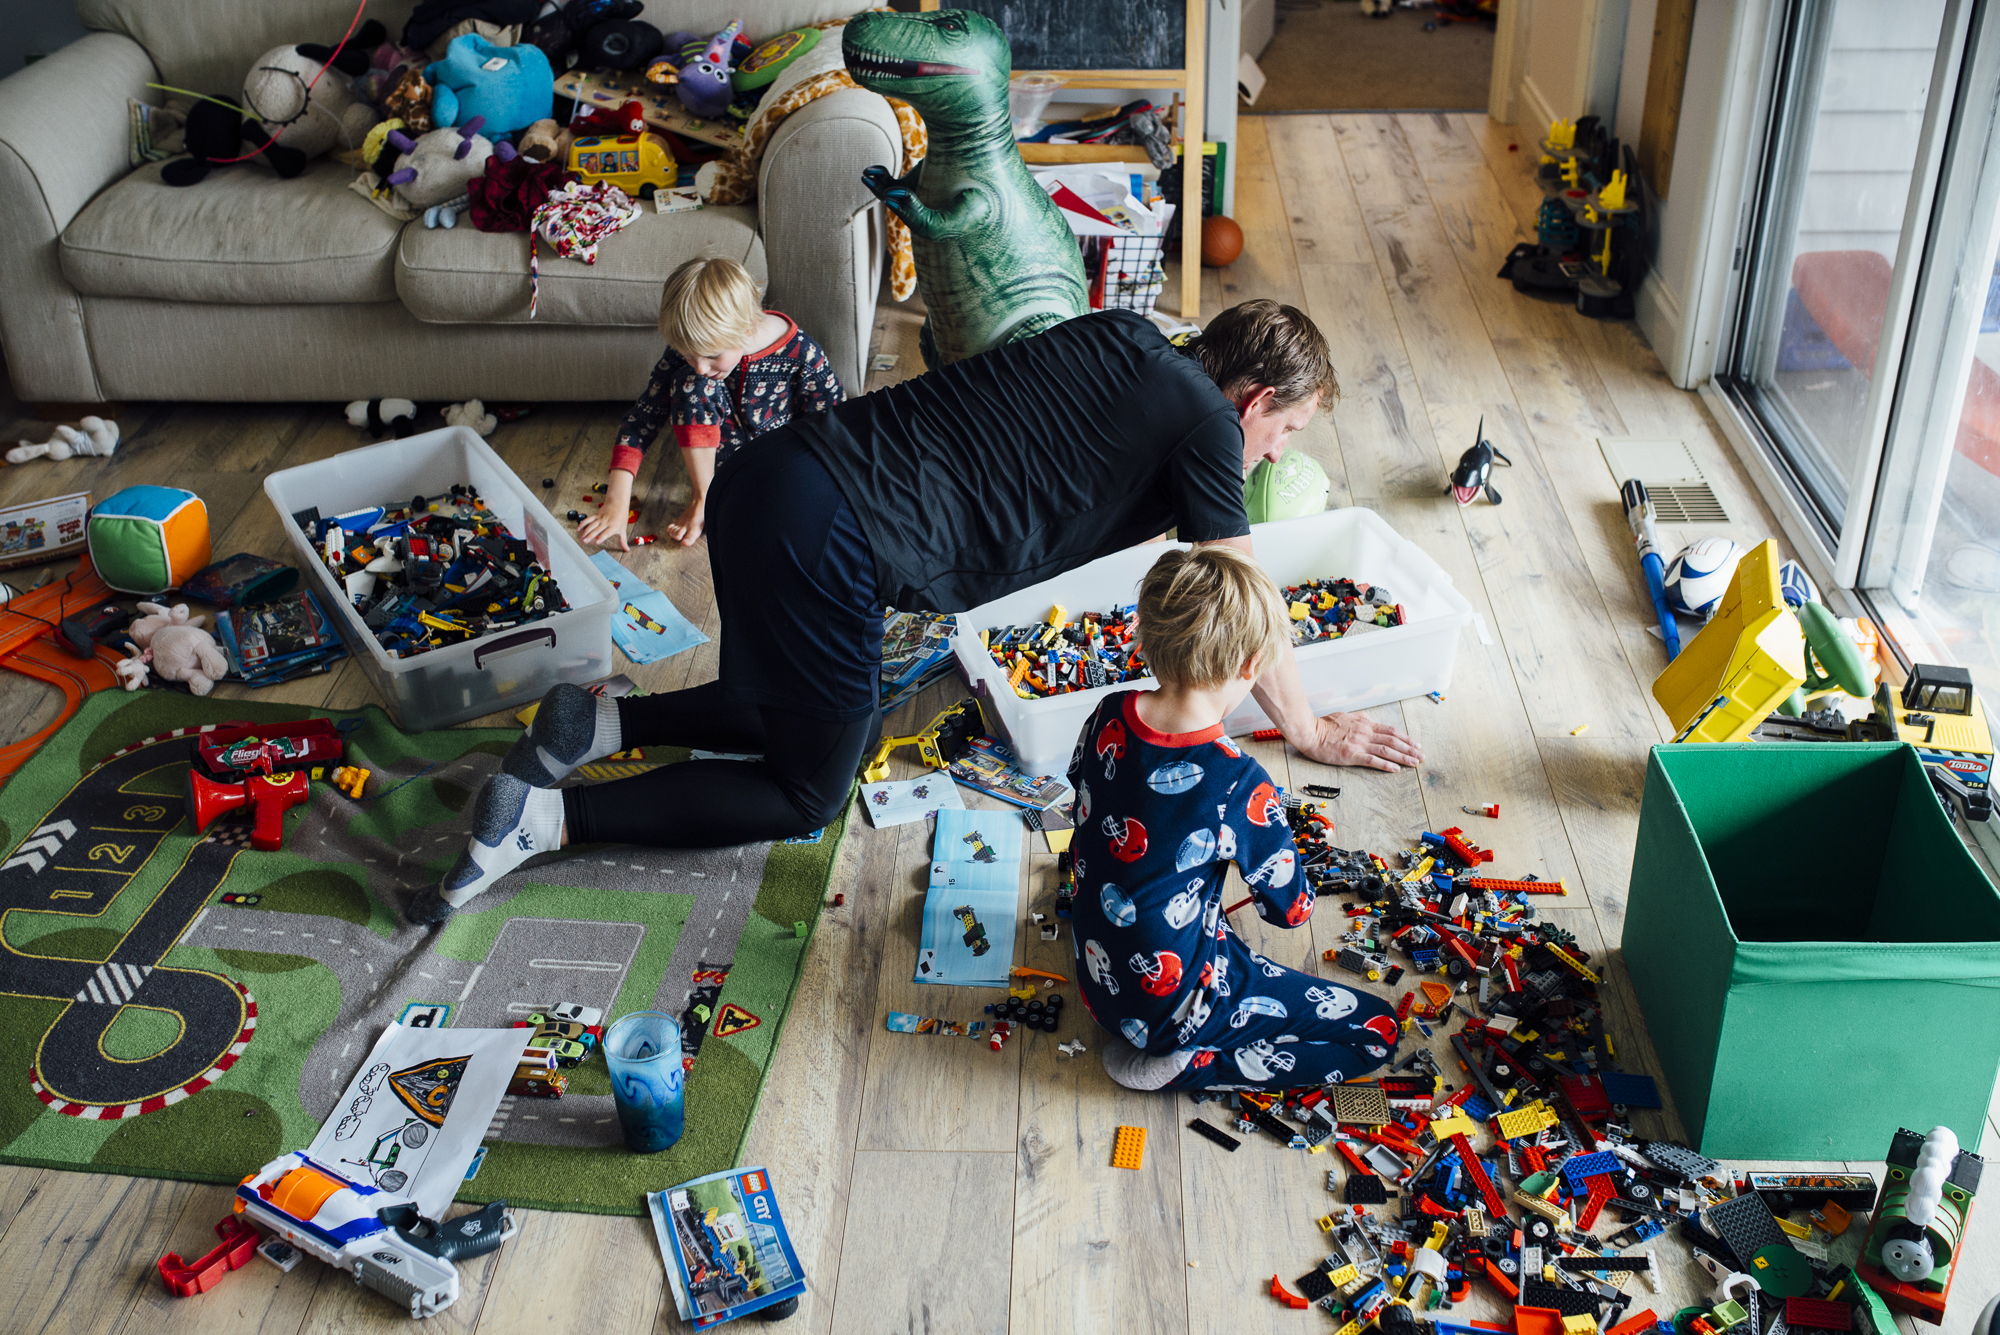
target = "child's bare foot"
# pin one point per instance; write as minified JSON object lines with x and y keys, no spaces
{"x":687,"y":529}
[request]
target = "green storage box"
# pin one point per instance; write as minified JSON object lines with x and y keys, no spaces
{"x":1816,"y":954}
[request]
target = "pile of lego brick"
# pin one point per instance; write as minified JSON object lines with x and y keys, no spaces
{"x":1326,"y":609}
{"x":432,"y":572}
{"x":1058,"y":655}
{"x":1522,"y":1172}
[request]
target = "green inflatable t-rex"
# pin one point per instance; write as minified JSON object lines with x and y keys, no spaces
{"x":995,"y":260}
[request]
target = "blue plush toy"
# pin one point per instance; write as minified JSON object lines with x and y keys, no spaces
{"x":511,"y":86}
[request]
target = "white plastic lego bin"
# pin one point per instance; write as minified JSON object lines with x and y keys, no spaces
{"x":1361,"y":669}
{"x":461,"y":681}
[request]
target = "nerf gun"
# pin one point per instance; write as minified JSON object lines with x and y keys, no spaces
{"x":1639,"y":514}
{"x":377,"y":1237}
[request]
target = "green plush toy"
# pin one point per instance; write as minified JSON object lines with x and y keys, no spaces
{"x":761,"y":68}
{"x":1295,"y":485}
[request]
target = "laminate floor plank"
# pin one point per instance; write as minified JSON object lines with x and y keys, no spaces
{"x":926,"y":1243}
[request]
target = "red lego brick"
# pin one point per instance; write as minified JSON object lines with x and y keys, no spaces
{"x":1818,"y":1314}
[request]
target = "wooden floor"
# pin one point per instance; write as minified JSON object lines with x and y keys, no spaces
{"x":932,"y":1186}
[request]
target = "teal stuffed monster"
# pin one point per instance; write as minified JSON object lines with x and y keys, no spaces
{"x":995,"y":260}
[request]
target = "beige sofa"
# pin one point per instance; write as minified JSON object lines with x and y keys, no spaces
{"x":114,"y":286}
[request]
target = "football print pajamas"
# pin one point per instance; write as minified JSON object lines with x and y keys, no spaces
{"x":1159,"y":816}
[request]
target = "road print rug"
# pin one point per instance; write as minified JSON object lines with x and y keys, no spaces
{"x":188,"y":1007}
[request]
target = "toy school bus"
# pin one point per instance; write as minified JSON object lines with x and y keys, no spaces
{"x":633,"y":162}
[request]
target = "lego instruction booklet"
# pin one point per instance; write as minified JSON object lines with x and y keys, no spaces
{"x":725,"y":1246}
{"x":971,"y":908}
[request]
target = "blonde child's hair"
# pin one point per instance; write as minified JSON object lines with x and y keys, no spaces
{"x":1204,"y":613}
{"x":709,"y":306}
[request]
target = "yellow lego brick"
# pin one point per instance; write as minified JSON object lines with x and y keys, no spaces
{"x":1326,"y":1223}
{"x":1342,"y":1277}
{"x":1574,"y":963}
{"x":1796,"y":1230}
{"x":1526,"y":1121}
{"x":1456,"y":1125}
{"x":1129,"y":1148}
{"x":1580,"y":1324}
{"x":1351,"y":1328}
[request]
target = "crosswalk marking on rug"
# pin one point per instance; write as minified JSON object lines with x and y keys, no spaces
{"x":113,"y":984}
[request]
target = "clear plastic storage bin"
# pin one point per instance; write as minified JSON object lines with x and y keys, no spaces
{"x":1359,"y":670}
{"x":462,"y":681}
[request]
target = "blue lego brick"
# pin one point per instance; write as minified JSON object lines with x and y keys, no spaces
{"x":1634,"y":1091}
{"x":1478,"y":1108}
{"x":1579,"y":1167}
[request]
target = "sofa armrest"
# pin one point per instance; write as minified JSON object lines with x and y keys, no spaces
{"x":822,"y":227}
{"x":63,"y":137}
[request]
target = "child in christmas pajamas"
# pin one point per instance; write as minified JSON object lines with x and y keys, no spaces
{"x":1164,"y":803}
{"x":731,"y":372}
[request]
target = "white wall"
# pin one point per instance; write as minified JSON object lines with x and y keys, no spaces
{"x":1633,"y":68}
{"x":1570,"y":67}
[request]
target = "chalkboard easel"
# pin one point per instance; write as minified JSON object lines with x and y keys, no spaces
{"x":1190,"y":78}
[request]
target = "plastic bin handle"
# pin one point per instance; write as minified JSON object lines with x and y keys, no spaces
{"x":507,"y":644}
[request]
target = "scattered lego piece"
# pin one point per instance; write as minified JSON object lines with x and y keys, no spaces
{"x":1579,"y":730}
{"x":1214,"y":1133}
{"x":1364,"y":1105}
{"x":185,"y":1279}
{"x":1490,"y":809}
{"x":1634,"y":1325}
{"x":1364,"y":1189}
{"x":1073,"y":1048}
{"x":1286,"y":1297}
{"x":1129,"y":1148}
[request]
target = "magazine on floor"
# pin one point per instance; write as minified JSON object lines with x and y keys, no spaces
{"x":725,"y":1246}
{"x":991,"y":767}
{"x":974,"y":900}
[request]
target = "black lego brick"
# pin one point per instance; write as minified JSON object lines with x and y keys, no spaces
{"x":1560,"y":1297}
{"x":1747,"y":1225}
{"x":1364,"y":1189}
{"x":1214,"y":1133}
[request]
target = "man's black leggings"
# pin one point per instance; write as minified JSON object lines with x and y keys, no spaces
{"x":801,"y":784}
{"x":801,"y":650}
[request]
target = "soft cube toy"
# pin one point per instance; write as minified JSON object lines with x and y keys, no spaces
{"x":148,"y":539}
{"x":511,"y":86}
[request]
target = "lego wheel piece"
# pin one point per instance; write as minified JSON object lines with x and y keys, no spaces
{"x":1128,"y":1150}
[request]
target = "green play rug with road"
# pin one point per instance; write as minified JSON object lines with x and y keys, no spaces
{"x":188,"y":1007}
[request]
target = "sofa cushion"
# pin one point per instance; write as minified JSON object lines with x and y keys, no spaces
{"x":462,"y":276}
{"x":242,"y":236}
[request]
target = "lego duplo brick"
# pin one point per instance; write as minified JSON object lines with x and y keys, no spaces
{"x":1761,"y":976}
{"x":1128,"y":1149}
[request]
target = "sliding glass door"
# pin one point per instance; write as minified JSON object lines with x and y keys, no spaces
{"x":1866,"y":348}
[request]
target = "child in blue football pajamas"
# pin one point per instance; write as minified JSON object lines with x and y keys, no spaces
{"x":1164,"y":802}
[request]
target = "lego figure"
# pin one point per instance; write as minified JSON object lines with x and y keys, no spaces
{"x":1164,"y":803}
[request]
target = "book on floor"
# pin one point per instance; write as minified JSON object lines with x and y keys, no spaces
{"x":725,"y":1246}
{"x":278,"y":640}
{"x":974,"y":901}
{"x":991,"y":767}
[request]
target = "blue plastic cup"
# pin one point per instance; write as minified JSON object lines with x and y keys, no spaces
{"x":643,"y":1051}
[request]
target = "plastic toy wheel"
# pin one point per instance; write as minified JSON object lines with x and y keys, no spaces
{"x":415,"y":1134}
{"x":779,"y":1311}
{"x":393,"y":1180}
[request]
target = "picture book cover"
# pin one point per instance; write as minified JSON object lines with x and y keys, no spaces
{"x":973,"y":904}
{"x":43,"y":530}
{"x":725,"y":1246}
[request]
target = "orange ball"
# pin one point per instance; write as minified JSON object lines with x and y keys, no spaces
{"x":1221,"y":241}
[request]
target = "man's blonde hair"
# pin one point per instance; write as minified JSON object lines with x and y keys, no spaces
{"x":709,"y":306}
{"x":1204,"y":613}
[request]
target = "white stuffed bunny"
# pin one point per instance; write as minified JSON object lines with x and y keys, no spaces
{"x":92,"y":435}
{"x":181,"y":650}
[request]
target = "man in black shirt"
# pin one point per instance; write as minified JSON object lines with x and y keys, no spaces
{"x":939,"y":494}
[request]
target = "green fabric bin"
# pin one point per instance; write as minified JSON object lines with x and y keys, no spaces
{"x":1816,"y":954}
